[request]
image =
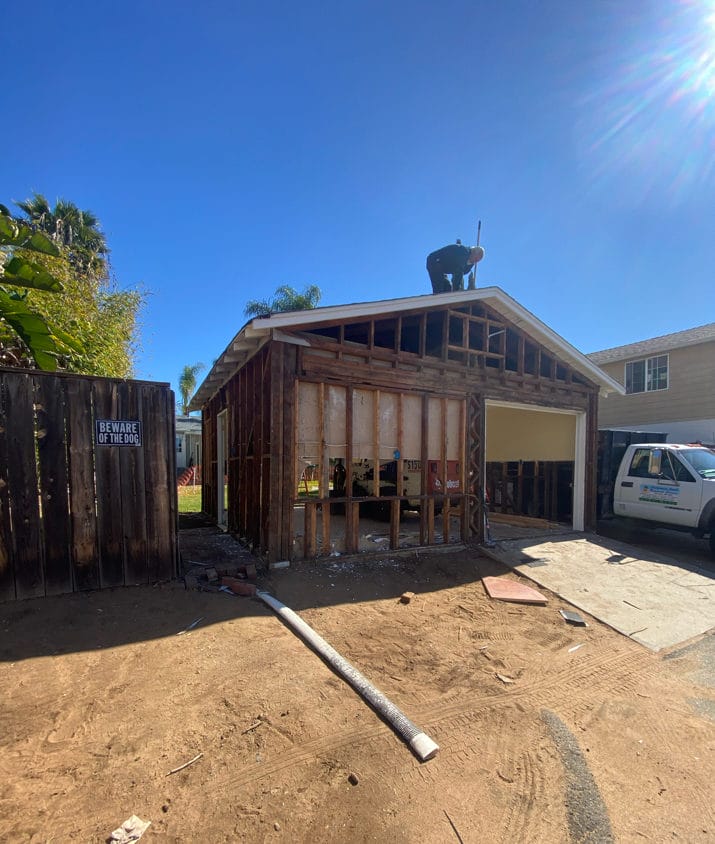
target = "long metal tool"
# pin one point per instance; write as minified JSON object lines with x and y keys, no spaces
{"x":420,"y":743}
{"x":472,"y":283}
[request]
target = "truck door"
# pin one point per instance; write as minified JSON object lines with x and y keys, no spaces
{"x":660,"y":488}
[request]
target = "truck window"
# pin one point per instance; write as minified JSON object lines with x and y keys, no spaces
{"x":668,"y":468}
{"x":639,"y":463}
{"x":679,"y":472}
{"x":702,"y":460}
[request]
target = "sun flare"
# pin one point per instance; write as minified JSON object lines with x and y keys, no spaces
{"x":652,"y":114}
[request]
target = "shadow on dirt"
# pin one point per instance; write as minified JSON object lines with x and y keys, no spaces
{"x":90,"y":621}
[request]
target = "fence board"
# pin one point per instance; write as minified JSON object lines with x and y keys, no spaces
{"x":7,"y":562}
{"x":158,"y":511}
{"x":52,"y":454}
{"x":82,"y":493}
{"x":75,"y":515}
{"x":22,"y":474}
{"x":133,"y":492}
{"x":167,"y":434}
{"x":105,"y":399}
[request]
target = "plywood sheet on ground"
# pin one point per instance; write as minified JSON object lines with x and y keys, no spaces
{"x":652,"y":598}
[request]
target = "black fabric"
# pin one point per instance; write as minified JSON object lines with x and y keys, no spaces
{"x":449,"y":260}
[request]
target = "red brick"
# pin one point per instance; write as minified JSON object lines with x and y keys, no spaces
{"x":248,"y":590}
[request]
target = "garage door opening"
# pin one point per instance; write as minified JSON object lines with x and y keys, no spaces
{"x":534,"y":463}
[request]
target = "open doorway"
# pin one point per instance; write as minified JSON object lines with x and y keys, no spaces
{"x":535,"y":463}
{"x":221,"y":462}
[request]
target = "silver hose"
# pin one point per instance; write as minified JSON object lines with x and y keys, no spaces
{"x":421,"y":744}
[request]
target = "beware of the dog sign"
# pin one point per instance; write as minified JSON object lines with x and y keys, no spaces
{"x":118,"y":432}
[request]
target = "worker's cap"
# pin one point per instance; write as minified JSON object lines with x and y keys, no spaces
{"x":476,"y":253}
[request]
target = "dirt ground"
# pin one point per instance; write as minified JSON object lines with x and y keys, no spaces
{"x":102,"y":698}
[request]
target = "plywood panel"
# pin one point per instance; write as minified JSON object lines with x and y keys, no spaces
{"x":388,"y":425}
{"x":363,"y":424}
{"x":308,"y":424}
{"x":434,"y":442}
{"x":335,"y":430}
{"x":412,"y":427}
{"x":454,"y":428}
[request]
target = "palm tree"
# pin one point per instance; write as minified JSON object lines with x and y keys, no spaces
{"x":78,"y":232}
{"x":187,"y":384}
{"x":285,"y":299}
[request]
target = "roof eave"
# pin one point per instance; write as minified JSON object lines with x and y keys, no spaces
{"x":260,"y":329}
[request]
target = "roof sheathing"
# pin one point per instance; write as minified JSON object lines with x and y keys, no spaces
{"x":259,"y":330}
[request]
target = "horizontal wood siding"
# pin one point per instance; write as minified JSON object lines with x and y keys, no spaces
{"x":690,"y":393}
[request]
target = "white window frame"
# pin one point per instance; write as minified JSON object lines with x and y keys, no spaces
{"x":648,"y":367}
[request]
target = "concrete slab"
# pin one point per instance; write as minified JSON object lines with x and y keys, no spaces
{"x":652,"y":598}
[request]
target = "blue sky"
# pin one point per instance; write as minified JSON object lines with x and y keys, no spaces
{"x":231,"y":147}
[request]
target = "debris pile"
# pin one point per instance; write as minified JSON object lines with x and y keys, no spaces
{"x":236,"y":578}
{"x":213,"y":561}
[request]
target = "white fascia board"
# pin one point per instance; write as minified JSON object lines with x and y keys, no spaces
{"x":522,"y":318}
{"x":252,"y":336}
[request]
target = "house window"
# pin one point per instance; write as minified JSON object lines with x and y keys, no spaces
{"x":178,"y":445}
{"x":644,"y":376}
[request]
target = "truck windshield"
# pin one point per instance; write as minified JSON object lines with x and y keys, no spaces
{"x":701,"y":459}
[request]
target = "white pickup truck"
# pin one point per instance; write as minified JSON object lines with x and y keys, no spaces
{"x":670,"y":485}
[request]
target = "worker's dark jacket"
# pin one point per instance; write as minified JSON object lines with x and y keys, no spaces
{"x":451,"y":260}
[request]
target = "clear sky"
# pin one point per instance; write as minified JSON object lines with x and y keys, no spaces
{"x":231,"y":147}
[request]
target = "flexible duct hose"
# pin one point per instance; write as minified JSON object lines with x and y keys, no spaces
{"x":421,"y":744}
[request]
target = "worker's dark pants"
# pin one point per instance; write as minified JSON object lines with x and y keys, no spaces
{"x":440,"y":282}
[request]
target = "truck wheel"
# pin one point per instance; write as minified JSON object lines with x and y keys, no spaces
{"x":712,"y":539}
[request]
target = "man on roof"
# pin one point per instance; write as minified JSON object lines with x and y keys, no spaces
{"x":454,"y":260}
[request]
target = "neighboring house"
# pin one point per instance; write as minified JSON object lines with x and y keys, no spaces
{"x":188,"y":441}
{"x":320,"y":423}
{"x":669,"y":385}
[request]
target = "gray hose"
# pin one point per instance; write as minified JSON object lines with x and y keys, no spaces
{"x":421,"y":744}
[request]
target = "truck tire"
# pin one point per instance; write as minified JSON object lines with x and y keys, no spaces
{"x":712,"y":538}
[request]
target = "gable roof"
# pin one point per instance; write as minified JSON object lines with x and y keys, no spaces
{"x":664,"y":343}
{"x":261,"y":329}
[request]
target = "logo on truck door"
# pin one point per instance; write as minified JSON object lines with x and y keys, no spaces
{"x":659,"y":494}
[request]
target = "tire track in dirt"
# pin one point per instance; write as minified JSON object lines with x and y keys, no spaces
{"x":599,"y":671}
{"x":656,"y":733}
{"x":523,"y":818}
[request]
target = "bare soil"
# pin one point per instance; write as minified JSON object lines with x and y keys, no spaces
{"x":102,"y":698}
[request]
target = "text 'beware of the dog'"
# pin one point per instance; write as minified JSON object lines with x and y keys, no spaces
{"x":117,"y":432}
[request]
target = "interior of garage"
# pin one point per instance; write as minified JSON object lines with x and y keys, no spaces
{"x":529,"y":468}
{"x":530,"y":461}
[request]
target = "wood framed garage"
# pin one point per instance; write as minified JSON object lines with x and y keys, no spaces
{"x":391,"y":424}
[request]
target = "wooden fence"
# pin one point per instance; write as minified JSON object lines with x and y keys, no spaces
{"x":82,"y":509}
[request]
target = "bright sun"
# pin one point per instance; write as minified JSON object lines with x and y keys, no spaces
{"x":652,"y":110}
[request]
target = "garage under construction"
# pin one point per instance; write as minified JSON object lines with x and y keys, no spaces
{"x":396,"y":424}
